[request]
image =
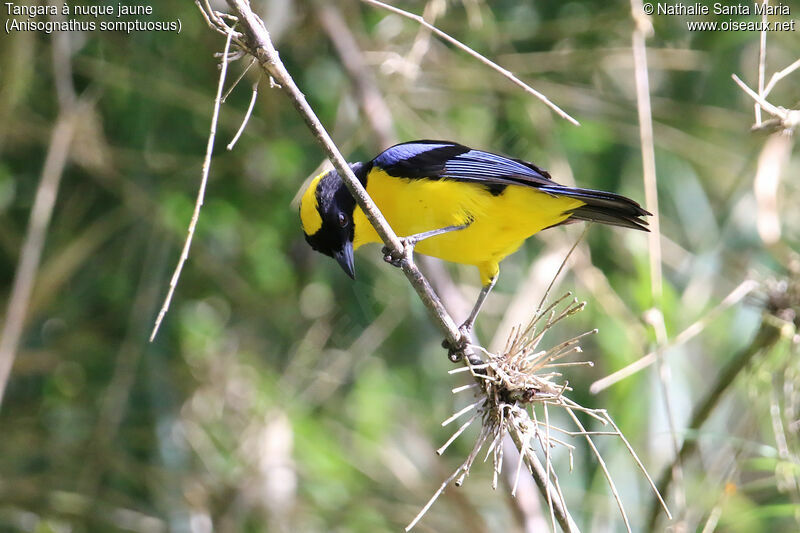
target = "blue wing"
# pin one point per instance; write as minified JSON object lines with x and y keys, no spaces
{"x":447,"y":160}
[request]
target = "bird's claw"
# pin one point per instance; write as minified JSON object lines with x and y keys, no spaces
{"x":397,"y":259}
{"x":455,"y":352}
{"x":392,"y":257}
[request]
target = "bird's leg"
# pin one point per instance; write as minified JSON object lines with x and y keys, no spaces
{"x":412,"y":240}
{"x":469,"y":323}
{"x":465,"y":329}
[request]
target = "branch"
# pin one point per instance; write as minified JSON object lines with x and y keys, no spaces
{"x":259,"y":44}
{"x":742,"y":290}
{"x":778,"y":76}
{"x":483,"y":59}
{"x":762,"y":61}
{"x":70,"y":110}
{"x":374,"y":108}
{"x":641,"y":28}
{"x":768,"y":334}
{"x":769,"y":108}
{"x":201,"y":192}
{"x":539,"y":474}
{"x":522,"y":364}
{"x":788,"y":119}
{"x":32,"y":246}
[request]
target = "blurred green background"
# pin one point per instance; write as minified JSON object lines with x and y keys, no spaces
{"x":282,"y":396}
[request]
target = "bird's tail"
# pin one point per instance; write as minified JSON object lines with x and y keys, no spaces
{"x":603,"y":207}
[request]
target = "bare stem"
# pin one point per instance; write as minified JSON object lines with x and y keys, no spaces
{"x":768,"y":334}
{"x":641,"y":27}
{"x":483,"y":59}
{"x":742,"y":290}
{"x":778,"y":76}
{"x":545,"y":486}
{"x":256,"y":40}
{"x":260,"y":46}
{"x":762,"y":62}
{"x":201,"y":192}
{"x":603,"y":467}
{"x":374,"y":108}
{"x":246,"y":118}
{"x":33,"y":244}
{"x":70,"y":110}
{"x":560,"y":268}
{"x":765,"y":105}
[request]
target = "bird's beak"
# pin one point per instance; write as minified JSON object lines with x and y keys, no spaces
{"x":345,"y":259}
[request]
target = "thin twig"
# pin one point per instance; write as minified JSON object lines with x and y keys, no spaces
{"x":597,"y":282}
{"x":787,"y":119}
{"x":638,"y":461}
{"x":70,"y":110}
{"x":603,"y":467}
{"x":561,"y":267}
{"x":660,"y":327}
{"x":433,"y":498}
{"x":778,"y":76}
{"x":526,"y":506}
{"x":373,"y":106}
{"x":486,"y":61}
{"x":762,"y":61}
{"x":768,"y":334}
{"x":32,"y":246}
{"x":641,"y":28}
{"x":239,"y":79}
{"x":742,"y":290}
{"x":246,"y":117}
{"x":765,"y":105}
{"x":462,"y":411}
{"x":200,"y":193}
{"x":260,"y":45}
{"x":519,"y":307}
{"x":539,"y":474}
{"x":455,"y":435}
{"x":215,"y":22}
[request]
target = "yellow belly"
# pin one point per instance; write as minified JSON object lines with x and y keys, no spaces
{"x":498,"y":224}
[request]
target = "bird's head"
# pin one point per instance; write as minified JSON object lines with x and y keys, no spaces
{"x":326,"y":213}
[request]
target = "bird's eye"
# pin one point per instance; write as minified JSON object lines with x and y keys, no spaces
{"x":342,"y":220}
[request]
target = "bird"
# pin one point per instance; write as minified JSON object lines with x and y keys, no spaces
{"x":453,"y":202}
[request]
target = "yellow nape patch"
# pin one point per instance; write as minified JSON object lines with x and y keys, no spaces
{"x":309,"y":213}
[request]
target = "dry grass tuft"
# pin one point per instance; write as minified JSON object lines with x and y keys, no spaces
{"x":515,"y":390}
{"x":783,"y":296}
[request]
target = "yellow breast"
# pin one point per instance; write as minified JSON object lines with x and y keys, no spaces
{"x":498,"y":224}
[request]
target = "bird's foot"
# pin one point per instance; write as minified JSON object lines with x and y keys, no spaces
{"x":455,"y":352}
{"x":397,"y":259}
{"x":408,"y":243}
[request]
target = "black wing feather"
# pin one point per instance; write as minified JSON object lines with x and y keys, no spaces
{"x":448,"y":160}
{"x":430,"y":159}
{"x":418,"y":159}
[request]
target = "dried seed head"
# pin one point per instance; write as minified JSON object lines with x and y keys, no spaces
{"x":511,"y":388}
{"x":783,"y":299}
{"x":520,"y":373}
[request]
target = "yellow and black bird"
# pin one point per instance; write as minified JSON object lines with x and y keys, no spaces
{"x":452,"y":202}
